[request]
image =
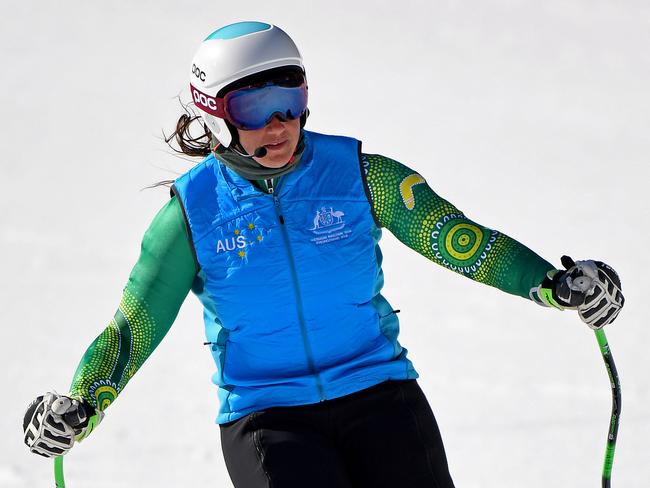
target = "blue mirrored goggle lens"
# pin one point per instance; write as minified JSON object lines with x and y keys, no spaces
{"x":253,"y":108}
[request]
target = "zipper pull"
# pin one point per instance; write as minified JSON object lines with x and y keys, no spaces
{"x":269,"y":185}
{"x":278,"y":210}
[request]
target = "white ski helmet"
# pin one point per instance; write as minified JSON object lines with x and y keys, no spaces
{"x":232,"y":53}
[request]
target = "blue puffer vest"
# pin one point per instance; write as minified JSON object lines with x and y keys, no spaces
{"x":290,"y":282}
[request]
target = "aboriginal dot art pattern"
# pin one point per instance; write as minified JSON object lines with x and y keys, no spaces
{"x":429,"y":224}
{"x":117,"y":354}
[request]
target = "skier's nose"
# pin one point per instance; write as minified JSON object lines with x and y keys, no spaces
{"x":277,"y":122}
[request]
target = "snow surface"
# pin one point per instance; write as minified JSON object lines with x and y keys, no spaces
{"x":532,"y":117}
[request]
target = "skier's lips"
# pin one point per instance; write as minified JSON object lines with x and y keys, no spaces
{"x":276,"y":146}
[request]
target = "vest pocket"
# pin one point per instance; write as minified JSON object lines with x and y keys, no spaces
{"x":219,"y":355}
{"x":392,"y":312}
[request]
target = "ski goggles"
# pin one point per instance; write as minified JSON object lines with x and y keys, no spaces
{"x":253,"y":107}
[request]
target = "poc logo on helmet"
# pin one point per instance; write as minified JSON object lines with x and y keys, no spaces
{"x":198,"y":73}
{"x":205,"y":102}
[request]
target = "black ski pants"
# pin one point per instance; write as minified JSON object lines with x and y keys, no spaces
{"x":384,"y":436}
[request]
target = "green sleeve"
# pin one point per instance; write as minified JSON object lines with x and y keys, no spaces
{"x":157,"y":286}
{"x":404,"y":203}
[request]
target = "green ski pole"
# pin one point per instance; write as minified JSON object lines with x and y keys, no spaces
{"x":58,"y":472}
{"x":616,"y":407}
{"x":58,"y":461}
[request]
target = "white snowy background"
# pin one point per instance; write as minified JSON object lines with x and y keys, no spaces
{"x":532,"y":117}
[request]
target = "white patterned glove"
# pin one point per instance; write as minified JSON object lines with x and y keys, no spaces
{"x":53,"y":421}
{"x":591,"y":287}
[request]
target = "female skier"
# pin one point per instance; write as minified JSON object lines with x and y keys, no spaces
{"x":276,"y":231}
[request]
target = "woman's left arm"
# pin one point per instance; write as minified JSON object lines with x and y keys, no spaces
{"x":402,"y":202}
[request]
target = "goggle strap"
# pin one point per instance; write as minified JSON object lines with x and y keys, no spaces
{"x":213,"y":106}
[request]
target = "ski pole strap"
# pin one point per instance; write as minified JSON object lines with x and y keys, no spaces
{"x":616,"y":406}
{"x":58,"y":472}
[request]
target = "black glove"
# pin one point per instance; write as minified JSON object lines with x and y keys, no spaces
{"x":591,"y":287}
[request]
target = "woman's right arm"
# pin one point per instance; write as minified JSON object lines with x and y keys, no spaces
{"x":157,"y":286}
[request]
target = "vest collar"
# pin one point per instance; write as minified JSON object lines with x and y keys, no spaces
{"x":242,"y":188}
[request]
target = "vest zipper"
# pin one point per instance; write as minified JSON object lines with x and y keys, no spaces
{"x":296,"y":288}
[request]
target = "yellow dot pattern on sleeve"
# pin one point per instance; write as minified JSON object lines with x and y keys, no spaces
{"x":141,"y":327}
{"x":403,"y":203}
{"x":97,"y":365}
{"x":117,"y":354}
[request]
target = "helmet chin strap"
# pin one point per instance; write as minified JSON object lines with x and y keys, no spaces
{"x":260,"y":152}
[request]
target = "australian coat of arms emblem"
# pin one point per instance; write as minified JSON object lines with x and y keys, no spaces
{"x":327,"y":221}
